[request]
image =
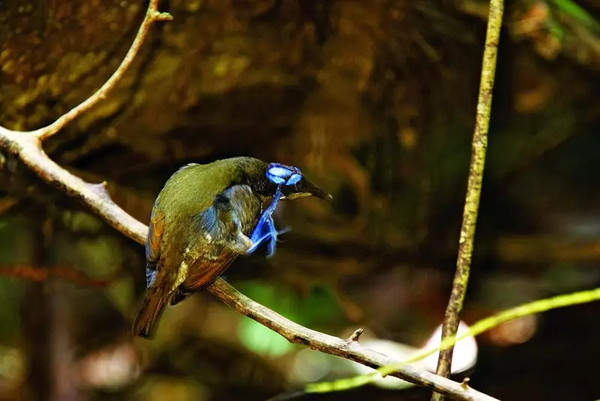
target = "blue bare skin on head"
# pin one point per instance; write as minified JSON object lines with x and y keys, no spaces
{"x":283,"y":175}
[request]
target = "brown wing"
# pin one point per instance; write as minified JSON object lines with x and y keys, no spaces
{"x":204,"y":274}
{"x":155,"y":232}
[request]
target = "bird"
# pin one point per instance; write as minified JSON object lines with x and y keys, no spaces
{"x":203,"y":218}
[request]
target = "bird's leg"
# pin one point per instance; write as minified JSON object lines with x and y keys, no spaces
{"x":265,"y":228}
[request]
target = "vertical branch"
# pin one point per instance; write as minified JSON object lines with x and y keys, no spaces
{"x":479,"y":145}
{"x":37,"y":320}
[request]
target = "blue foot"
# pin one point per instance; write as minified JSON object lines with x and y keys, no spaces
{"x":265,"y":228}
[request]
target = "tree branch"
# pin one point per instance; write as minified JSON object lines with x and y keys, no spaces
{"x":26,"y":147}
{"x":348,"y":349}
{"x":479,"y":145}
{"x":152,"y":15}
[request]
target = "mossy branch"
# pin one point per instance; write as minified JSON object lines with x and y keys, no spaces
{"x":478,"y":150}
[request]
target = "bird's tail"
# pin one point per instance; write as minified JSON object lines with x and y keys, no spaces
{"x":149,"y":311}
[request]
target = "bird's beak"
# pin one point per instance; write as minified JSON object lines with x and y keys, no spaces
{"x":304,"y":187}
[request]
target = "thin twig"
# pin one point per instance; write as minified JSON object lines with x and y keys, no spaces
{"x":152,"y":15}
{"x":356,"y":335}
{"x":479,"y":145}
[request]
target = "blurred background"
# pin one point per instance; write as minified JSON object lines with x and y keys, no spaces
{"x":375,"y":101}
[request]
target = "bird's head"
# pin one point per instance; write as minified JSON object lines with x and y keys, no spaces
{"x":293,"y":183}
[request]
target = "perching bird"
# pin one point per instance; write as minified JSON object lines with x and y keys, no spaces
{"x":203,"y":218}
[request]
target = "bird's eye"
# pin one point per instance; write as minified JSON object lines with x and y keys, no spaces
{"x":279,"y":174}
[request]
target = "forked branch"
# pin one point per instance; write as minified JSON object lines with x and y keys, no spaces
{"x":152,"y":15}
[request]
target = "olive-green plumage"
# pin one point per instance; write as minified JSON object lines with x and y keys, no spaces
{"x":201,"y":221}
